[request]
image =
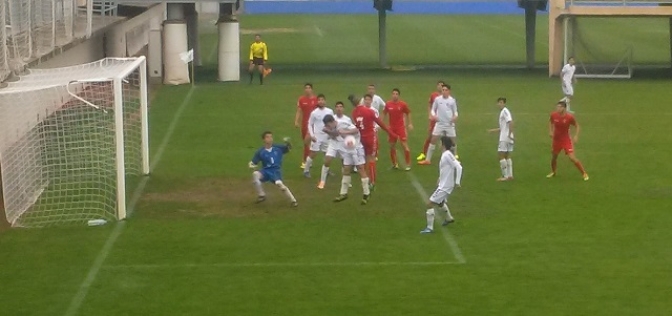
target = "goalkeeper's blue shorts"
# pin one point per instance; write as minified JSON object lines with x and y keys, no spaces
{"x":270,"y":175}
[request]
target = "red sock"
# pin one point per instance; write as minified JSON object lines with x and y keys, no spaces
{"x":306,"y":152}
{"x":393,"y":156}
{"x":372,"y":172}
{"x":554,"y":164}
{"x":580,"y":167}
{"x":407,"y":156}
{"x":427,"y":141}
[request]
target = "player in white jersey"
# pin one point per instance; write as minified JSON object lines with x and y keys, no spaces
{"x":444,"y":112}
{"x":319,"y":140}
{"x":568,"y":81}
{"x":335,"y":140}
{"x":377,"y":103}
{"x":352,"y":156}
{"x":450,"y":176}
{"x":505,"y":146}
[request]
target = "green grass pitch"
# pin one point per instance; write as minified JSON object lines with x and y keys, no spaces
{"x":198,"y":245}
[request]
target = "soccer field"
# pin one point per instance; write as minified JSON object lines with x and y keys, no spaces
{"x":196,"y":244}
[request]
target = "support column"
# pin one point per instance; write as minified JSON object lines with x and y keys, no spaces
{"x":229,"y":44}
{"x":382,"y":38}
{"x":555,"y":36}
{"x":530,"y":32}
{"x":670,"y":43}
{"x":191,"y":15}
{"x":175,"y":43}
{"x":154,"y":53}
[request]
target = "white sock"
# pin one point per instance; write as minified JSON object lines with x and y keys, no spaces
{"x":256,"y":180}
{"x":430,"y":218}
{"x":325,"y":172}
{"x":365,"y":186}
{"x":285,"y":190}
{"x":509,"y":169}
{"x":448,"y":215}
{"x":567,"y":101}
{"x":503,"y":166}
{"x":430,"y":151}
{"x":309,"y":163}
{"x":345,"y":184}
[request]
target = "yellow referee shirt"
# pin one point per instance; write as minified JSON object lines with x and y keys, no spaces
{"x":258,"y":50}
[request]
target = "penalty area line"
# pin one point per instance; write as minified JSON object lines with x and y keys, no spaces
{"x":447,"y":236}
{"x":277,"y":264}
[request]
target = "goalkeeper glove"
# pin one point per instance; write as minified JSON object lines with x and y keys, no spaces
{"x":251,"y":165}
{"x":286,"y":140}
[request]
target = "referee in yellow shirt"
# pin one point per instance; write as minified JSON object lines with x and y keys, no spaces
{"x":258,"y":57}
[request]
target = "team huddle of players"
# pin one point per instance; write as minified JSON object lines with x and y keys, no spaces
{"x":354,"y":141}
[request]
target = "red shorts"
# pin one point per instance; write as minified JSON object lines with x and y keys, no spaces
{"x":370,"y":146}
{"x":401,"y":134}
{"x":560,"y":145}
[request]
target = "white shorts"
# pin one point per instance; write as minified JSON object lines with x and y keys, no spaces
{"x":567,"y":89}
{"x":353,"y":158}
{"x":505,"y":147}
{"x":440,"y":196}
{"x":332,"y":151}
{"x":444,"y":129}
{"x":319,"y":145}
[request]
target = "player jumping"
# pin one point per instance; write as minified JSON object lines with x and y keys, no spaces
{"x":444,"y":112}
{"x":397,"y":109}
{"x":319,"y":140}
{"x":558,"y":129}
{"x":505,"y":140}
{"x":352,"y":156}
{"x":335,"y":141}
{"x":270,"y":156}
{"x":304,"y":107}
{"x":450,"y":176}
{"x":568,"y":81}
{"x":432,"y":122}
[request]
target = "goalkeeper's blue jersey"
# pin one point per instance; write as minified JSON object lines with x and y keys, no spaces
{"x":270,"y":158}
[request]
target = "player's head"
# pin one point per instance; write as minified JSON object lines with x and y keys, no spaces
{"x":329,"y":121}
{"x":353,"y":99}
{"x":571,"y":60}
{"x":367,"y":99}
{"x":308,"y":89}
{"x":371,"y":89}
{"x":395,"y":94}
{"x":501,"y":101}
{"x":445,"y":90}
{"x":561,"y":107}
{"x":439,"y":85}
{"x":321,"y":100}
{"x":446,"y":143}
{"x":339,"y":108}
{"x":267,"y":136}
{"x":257,"y":38}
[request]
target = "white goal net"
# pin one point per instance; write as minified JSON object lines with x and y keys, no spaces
{"x":72,"y":140}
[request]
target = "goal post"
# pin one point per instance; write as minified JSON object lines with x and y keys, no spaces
{"x":73,"y":141}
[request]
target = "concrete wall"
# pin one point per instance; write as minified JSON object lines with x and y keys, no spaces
{"x":85,"y":52}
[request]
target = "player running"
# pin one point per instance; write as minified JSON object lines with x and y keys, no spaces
{"x":304,"y":107}
{"x":450,"y":176}
{"x":335,"y":141}
{"x":432,"y":122}
{"x":352,"y":156}
{"x":319,"y":140}
{"x":365,"y":119}
{"x":568,"y":81}
{"x":397,"y":109}
{"x":558,"y":129}
{"x":444,"y":112}
{"x":505,"y":140}
{"x":270,"y":157}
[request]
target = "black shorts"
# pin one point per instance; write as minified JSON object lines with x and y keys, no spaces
{"x":258,"y":61}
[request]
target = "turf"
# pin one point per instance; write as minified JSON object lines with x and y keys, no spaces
{"x":198,"y":245}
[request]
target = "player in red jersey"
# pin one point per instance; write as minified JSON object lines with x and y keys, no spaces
{"x":304,"y":106}
{"x":397,"y":109}
{"x":365,"y":120}
{"x":558,"y":129}
{"x":432,"y":122}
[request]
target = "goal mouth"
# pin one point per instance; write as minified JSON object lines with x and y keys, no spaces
{"x":71,"y":140}
{"x":621,"y":70}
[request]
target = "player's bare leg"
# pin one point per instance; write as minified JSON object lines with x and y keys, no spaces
{"x":261,"y":74}
{"x":285,"y":190}
{"x":554,"y":165}
{"x":366,"y":190}
{"x":393,"y":155}
{"x":578,"y":165}
{"x":430,"y":151}
{"x":425,"y":147}
{"x":306,"y":150}
{"x":256,"y":181}
{"x":431,"y":212}
{"x":251,"y":71}
{"x":407,"y":155}
{"x":371,"y":163}
{"x":309,"y":164}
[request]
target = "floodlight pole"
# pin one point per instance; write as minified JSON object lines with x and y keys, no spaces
{"x":530,"y":30}
{"x":382,"y":37}
{"x":670,"y":42}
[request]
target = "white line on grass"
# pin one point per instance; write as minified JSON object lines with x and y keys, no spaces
{"x":83,"y":290}
{"x":318,"y":31}
{"x":277,"y":264}
{"x":452,"y":243}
